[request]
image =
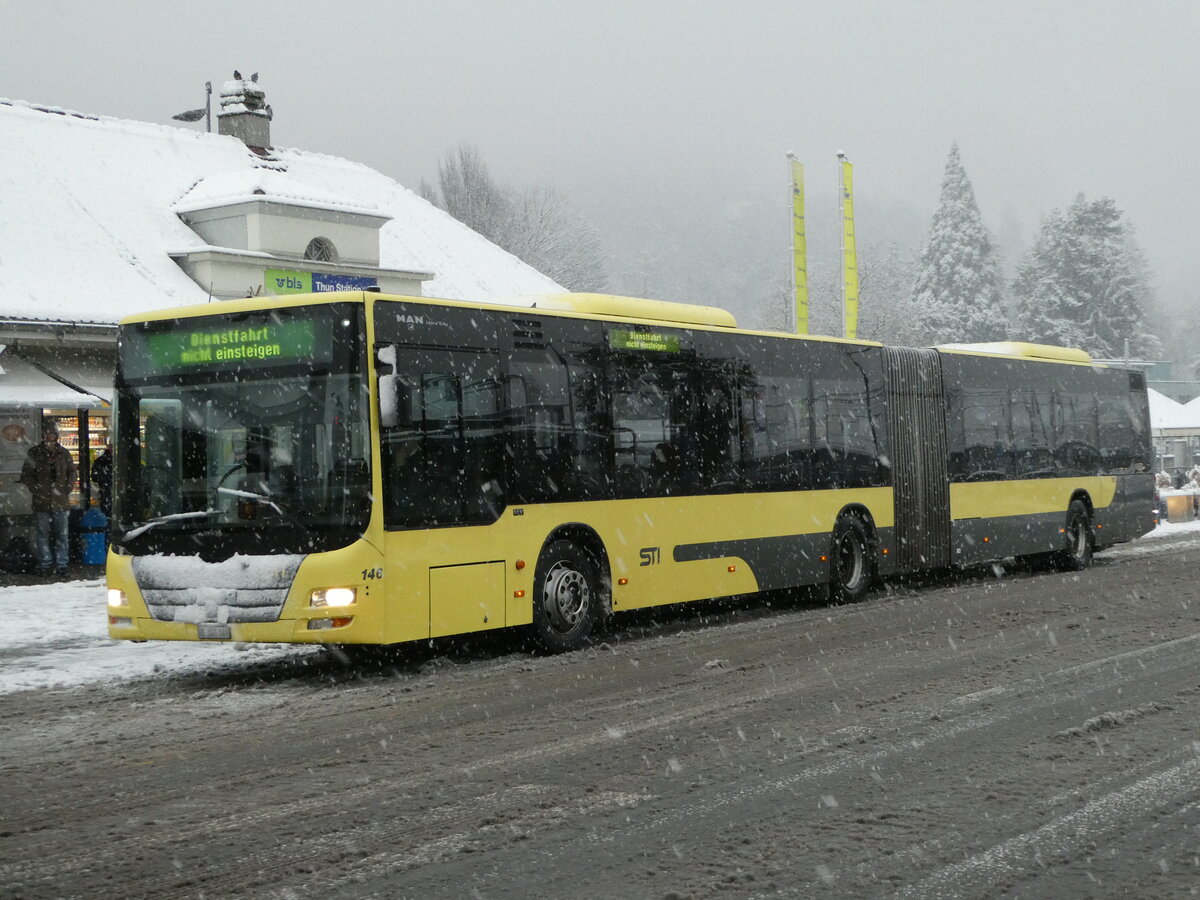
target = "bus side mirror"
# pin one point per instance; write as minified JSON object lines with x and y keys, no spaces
{"x":390,"y":387}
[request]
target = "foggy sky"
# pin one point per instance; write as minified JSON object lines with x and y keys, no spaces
{"x":1045,"y":99}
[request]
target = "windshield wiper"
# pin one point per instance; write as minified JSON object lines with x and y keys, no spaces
{"x":173,"y":517}
{"x":264,"y":498}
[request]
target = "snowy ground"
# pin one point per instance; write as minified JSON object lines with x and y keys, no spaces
{"x":56,"y":636}
{"x":1033,"y":734}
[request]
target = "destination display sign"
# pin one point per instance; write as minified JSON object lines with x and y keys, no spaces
{"x":643,"y":340}
{"x":227,"y":345}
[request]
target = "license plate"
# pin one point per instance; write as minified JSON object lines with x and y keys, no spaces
{"x":211,"y":632}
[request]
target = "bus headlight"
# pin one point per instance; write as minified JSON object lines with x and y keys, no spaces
{"x":333,"y":597}
{"x":116,"y":598}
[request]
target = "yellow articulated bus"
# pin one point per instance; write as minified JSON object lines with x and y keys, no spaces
{"x":357,"y":468}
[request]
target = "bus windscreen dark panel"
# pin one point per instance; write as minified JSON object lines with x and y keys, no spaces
{"x":245,"y":433}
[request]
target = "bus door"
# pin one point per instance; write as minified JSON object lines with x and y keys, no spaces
{"x":442,"y":467}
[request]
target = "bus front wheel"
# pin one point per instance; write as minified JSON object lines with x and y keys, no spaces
{"x":566,"y":598}
{"x":1080,"y":542}
{"x":851,"y":566}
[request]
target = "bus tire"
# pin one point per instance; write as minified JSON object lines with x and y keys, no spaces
{"x":852,"y":569}
{"x":1081,"y":543}
{"x":567,"y":601}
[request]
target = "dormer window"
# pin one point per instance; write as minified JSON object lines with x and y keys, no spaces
{"x":321,"y":249}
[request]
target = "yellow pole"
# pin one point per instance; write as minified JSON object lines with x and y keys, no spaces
{"x":849,"y":251}
{"x":799,"y":248}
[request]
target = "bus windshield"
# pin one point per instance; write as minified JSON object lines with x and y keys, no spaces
{"x":261,"y":445}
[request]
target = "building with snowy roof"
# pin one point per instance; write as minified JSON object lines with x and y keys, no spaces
{"x":101,"y":218}
{"x":1175,"y":429}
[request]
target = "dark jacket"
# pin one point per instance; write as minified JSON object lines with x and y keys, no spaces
{"x":101,"y":476}
{"x":49,"y":474}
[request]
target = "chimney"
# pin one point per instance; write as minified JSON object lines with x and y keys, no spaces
{"x":244,"y":112}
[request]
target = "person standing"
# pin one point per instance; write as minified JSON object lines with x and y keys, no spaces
{"x":49,"y":474}
{"x":102,"y":478}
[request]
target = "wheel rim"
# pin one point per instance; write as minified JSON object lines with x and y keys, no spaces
{"x":566,"y":597}
{"x":1079,"y":538}
{"x":851,"y":562}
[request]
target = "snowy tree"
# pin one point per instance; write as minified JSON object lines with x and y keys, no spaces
{"x":469,"y":194}
{"x":546,"y":235}
{"x":534,"y":224}
{"x":886,"y":311}
{"x":1085,"y":283}
{"x":779,"y":310}
{"x":957,"y":296}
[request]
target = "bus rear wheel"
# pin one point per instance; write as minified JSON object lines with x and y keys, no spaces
{"x":852,"y":570}
{"x":567,"y":597}
{"x":1080,"y":541}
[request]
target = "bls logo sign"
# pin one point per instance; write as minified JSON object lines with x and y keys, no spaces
{"x":650,"y":556}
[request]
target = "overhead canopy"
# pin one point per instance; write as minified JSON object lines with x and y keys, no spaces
{"x":21,"y":384}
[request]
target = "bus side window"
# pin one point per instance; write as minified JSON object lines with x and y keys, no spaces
{"x":1075,"y":415}
{"x":776,"y":423}
{"x":719,"y":448}
{"x":640,"y":423}
{"x":442,"y":460}
{"x":1118,"y":427}
{"x":986,"y":439}
{"x":539,"y":443}
{"x":1032,"y":434}
{"x":1138,"y":404}
{"x":843,"y":442}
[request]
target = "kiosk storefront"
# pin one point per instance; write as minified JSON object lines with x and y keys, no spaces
{"x":30,"y":400}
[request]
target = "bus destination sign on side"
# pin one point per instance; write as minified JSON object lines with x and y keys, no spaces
{"x":643,"y":340}
{"x":215,"y":347}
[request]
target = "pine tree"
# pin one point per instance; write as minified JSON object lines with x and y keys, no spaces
{"x":1049,"y":310}
{"x":957,"y":295}
{"x":1086,"y":284}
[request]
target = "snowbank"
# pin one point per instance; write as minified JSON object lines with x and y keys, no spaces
{"x":56,"y":635}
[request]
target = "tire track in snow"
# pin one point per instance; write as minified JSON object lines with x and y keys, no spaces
{"x":1065,"y":834}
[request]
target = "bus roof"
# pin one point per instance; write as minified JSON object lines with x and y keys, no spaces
{"x":635,"y":308}
{"x":250,"y":304}
{"x":1022,"y":350}
{"x":591,"y":306}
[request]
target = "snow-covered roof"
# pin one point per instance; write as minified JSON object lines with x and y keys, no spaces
{"x":1168,"y":413}
{"x":227,"y":188}
{"x":89,"y":213}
